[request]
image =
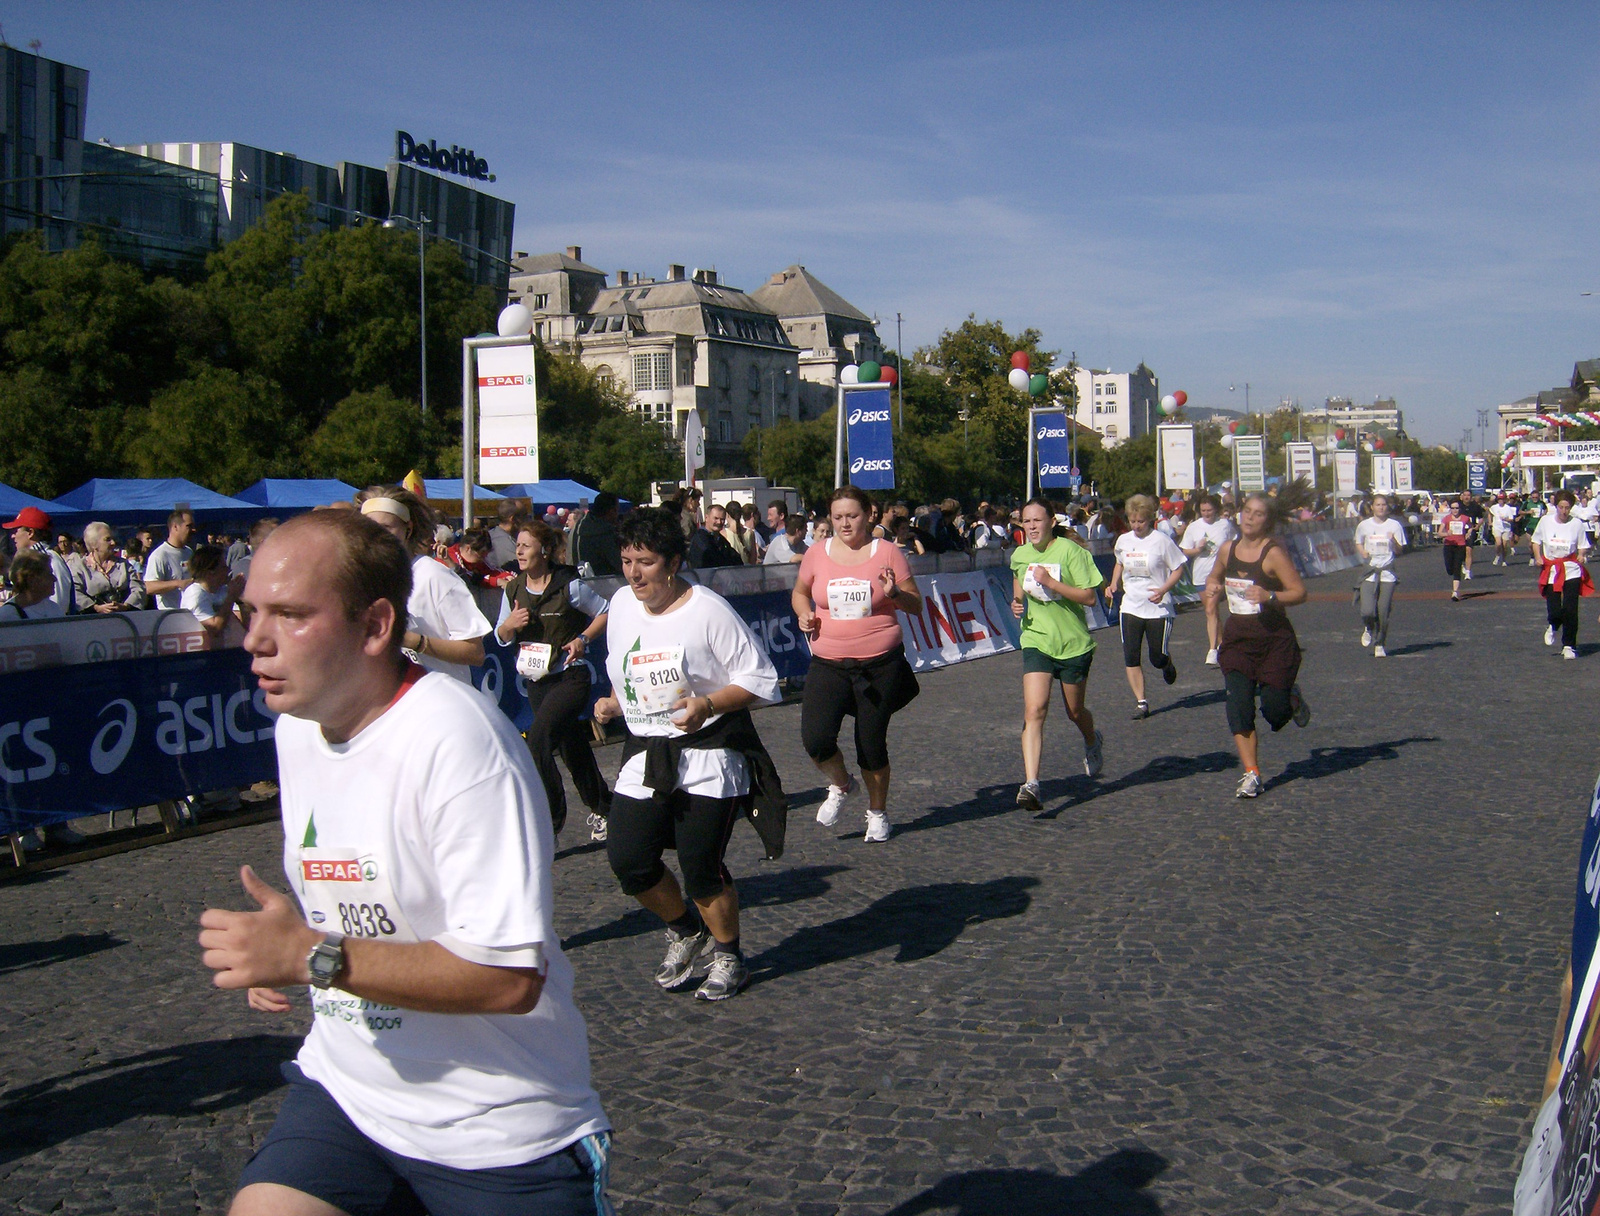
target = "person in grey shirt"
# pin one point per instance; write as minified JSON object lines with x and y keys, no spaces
{"x":788,"y":546}
{"x":594,"y":539}
{"x":503,"y":536}
{"x":166,"y":571}
{"x":239,"y":564}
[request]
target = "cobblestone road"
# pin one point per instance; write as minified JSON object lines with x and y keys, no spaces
{"x":1148,"y":998}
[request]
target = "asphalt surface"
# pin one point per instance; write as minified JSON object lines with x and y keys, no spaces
{"x":1150,"y":997}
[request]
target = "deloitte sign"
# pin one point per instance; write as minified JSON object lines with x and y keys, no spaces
{"x":454,"y":159}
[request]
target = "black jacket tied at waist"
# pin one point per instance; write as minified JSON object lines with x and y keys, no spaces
{"x":768,"y":811}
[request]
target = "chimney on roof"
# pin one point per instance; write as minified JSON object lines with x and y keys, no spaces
{"x":708,"y":277}
{"x":575,"y":252}
{"x":675,"y":273}
{"x":622,"y":278}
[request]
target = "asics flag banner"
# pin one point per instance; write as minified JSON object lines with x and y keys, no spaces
{"x":1054,"y":449}
{"x":870,"y":438}
{"x":1477,"y":474}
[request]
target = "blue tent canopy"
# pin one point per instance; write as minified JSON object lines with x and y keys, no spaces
{"x":124,"y":501}
{"x":297,"y":494}
{"x":448,"y":489}
{"x":554,"y":492}
{"x":12,"y":501}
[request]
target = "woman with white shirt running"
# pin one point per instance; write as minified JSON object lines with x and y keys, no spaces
{"x":1561,"y":546}
{"x":1148,"y":567}
{"x":1379,"y":538}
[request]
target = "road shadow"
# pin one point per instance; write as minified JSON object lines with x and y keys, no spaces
{"x":758,"y":891}
{"x":185,"y":1080}
{"x":1326,"y":761}
{"x":1195,"y":700}
{"x":578,"y":850}
{"x":815,"y":794}
{"x":1161,"y":768}
{"x":1113,"y":1186}
{"x":920,"y":921}
{"x":1418,"y":648}
{"x":1475,"y":595}
{"x":19,"y":956}
{"x":985,"y":803}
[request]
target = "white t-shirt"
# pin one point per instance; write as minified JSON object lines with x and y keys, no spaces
{"x":441,"y":606}
{"x":1209,"y":537}
{"x":44,"y":610}
{"x":780,"y":552}
{"x":696,"y":649}
{"x":1146,"y":564}
{"x":432,"y":825}
{"x":1503,"y":515}
{"x":203,"y":603}
{"x":1557,"y":540}
{"x":1380,"y":540}
{"x":164,"y":565}
{"x":1167,"y":528}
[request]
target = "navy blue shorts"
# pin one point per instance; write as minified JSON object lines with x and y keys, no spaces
{"x":315,"y":1149}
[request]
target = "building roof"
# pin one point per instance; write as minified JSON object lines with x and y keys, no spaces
{"x":685,"y":306}
{"x":1587,"y":370}
{"x":796,"y":292}
{"x":547,"y":263}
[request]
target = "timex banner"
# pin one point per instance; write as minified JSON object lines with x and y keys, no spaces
{"x":870,"y":441}
{"x":1053,"y":449}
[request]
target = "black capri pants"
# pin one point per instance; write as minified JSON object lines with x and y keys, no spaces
{"x":872,"y":690}
{"x":1276,"y":706}
{"x":1561,"y":610}
{"x":1455,"y":557}
{"x":557,"y":701}
{"x":640,"y":830}
{"x":1151,"y":631}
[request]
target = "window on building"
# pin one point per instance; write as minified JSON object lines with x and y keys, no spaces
{"x":725,"y":430}
{"x":662,"y":359}
{"x":604,"y":374}
{"x":643,"y":379}
{"x":1111,"y":431}
{"x":541,"y":302}
{"x":753,"y":380}
{"x":724,"y":375}
{"x":1111,"y":390}
{"x":686,"y":368}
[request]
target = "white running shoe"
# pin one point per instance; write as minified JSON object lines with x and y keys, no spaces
{"x":1567,"y":652}
{"x":1549,"y":635}
{"x":828,"y":812}
{"x":877,"y":827}
{"x":1466,"y":574}
{"x":1378,"y":652}
{"x":1249,"y":786}
{"x":1366,"y":637}
{"x":1212,"y":659}
{"x":1094,"y":757}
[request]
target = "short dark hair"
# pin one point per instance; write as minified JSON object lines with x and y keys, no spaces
{"x":260,"y":529}
{"x":1572,"y":499}
{"x":178,"y":515}
{"x":506,"y":510}
{"x":549,"y":539}
{"x":205,"y":559}
{"x":782,"y":507}
{"x":654,"y":530}
{"x":29,"y":565}
{"x":371,"y":564}
{"x":604,"y":503}
{"x":795,"y":523}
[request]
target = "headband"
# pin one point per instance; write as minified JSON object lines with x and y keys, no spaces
{"x":388,"y":506}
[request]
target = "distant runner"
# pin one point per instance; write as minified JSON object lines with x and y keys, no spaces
{"x":1380,"y":540}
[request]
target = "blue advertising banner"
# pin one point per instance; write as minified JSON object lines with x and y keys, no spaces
{"x":871,"y":437}
{"x":770,"y":615}
{"x":103,"y":736}
{"x":1477,"y":474}
{"x":1054,"y":450}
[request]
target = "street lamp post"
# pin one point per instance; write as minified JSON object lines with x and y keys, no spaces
{"x":420,"y":224}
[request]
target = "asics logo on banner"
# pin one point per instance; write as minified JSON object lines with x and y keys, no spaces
{"x":868,"y":416}
{"x":37,"y":759}
{"x":871,"y":466}
{"x":1064,"y":469}
{"x":114,"y":740}
{"x":1052,"y":432}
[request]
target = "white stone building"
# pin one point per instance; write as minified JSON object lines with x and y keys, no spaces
{"x":1118,"y":405}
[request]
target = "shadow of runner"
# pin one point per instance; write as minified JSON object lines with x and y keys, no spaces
{"x":757,"y":891}
{"x":187,"y":1079}
{"x":1161,"y":768}
{"x":921,"y":921}
{"x":19,"y":956}
{"x":1326,"y":761}
{"x":1418,"y":648}
{"x":1194,"y":700}
{"x":1113,"y":1186}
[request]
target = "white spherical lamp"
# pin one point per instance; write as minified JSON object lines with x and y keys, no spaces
{"x":1227,"y":441}
{"x":849,"y":374}
{"x":515,"y":321}
{"x":1018,"y":379}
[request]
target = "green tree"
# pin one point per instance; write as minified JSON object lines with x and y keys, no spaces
{"x":221,"y":429}
{"x":48,"y":446}
{"x":589,"y":431}
{"x":370,"y":438}
{"x":798,"y":454}
{"x":1439,"y":469}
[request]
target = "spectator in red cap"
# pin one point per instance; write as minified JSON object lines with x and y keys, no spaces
{"x":31,"y":529}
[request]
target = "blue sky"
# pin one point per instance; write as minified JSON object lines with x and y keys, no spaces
{"x":1353,"y":199}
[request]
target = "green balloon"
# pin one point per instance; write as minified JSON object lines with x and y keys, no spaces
{"x":869,"y":373}
{"x":1037,"y":383}
{"x":1287,"y":437}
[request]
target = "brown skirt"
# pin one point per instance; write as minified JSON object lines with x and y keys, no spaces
{"x":1262,"y":648}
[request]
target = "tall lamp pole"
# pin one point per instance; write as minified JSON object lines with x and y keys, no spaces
{"x":420,"y":224}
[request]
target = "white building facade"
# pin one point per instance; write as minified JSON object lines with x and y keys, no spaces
{"x":1118,"y":406}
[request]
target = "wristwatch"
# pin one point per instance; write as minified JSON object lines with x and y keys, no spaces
{"x":326,"y":960}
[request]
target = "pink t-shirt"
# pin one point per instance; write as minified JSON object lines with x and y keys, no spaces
{"x":858,"y":621}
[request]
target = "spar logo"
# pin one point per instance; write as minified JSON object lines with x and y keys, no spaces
{"x":860,"y":415}
{"x":861,"y":463}
{"x":334,"y":871}
{"x":1052,"y":432}
{"x":502,"y":381}
{"x":503,"y":451}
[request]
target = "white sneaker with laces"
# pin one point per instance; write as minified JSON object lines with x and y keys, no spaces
{"x":1466,"y":574}
{"x":597,"y":826}
{"x":828,"y":812}
{"x":1094,"y":755}
{"x":1549,"y":635}
{"x":1378,"y":652}
{"x":877,"y":827}
{"x":1567,"y":652}
{"x":1366,"y":637}
{"x":1212,"y":659}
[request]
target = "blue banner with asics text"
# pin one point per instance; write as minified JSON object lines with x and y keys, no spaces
{"x":870,"y":437}
{"x":1053,"y":449}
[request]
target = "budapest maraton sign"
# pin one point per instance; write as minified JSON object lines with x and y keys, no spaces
{"x":454,"y":159}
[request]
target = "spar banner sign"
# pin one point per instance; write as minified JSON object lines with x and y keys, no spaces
{"x":508,"y":416}
{"x":1558,"y":1171}
{"x":1053,"y":448}
{"x":1402,"y":475}
{"x":1177,"y":457}
{"x":870,"y":437}
{"x":1576,"y":451}
{"x":1302,"y":460}
{"x":103,"y":736}
{"x":962,"y":618}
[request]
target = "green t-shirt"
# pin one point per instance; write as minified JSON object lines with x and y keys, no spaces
{"x":1058,"y":628}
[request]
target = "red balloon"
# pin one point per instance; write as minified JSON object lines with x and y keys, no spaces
{"x":1232,"y":427}
{"x":1181,"y":397}
{"x":1020,"y":359}
{"x":888,"y":375}
{"x":1377,"y":443}
{"x":1339,"y":433}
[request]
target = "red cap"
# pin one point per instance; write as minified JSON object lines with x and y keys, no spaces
{"x":30,"y":517}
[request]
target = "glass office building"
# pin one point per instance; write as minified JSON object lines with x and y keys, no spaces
{"x":164,"y":217}
{"x":41,"y":144}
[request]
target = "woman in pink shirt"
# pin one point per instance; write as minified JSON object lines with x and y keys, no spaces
{"x":847,"y":598}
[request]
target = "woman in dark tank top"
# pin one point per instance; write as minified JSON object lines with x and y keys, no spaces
{"x":1259,"y":655}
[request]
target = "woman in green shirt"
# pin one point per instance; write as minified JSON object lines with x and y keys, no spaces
{"x":1054,"y":579}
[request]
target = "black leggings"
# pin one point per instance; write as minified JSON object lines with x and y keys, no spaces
{"x":641,"y":829}
{"x":1153,"y":632}
{"x":556,"y":702}
{"x":1561,"y":610}
{"x":885,"y":685}
{"x":1276,"y":706}
{"x":1455,"y":556}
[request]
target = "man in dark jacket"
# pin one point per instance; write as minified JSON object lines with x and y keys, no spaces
{"x":708,"y":547}
{"x":594,"y":539}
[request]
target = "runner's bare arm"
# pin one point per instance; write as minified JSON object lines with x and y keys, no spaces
{"x":699,"y":708}
{"x":805,"y":611}
{"x":1277,"y":562}
{"x":1078,"y":595}
{"x":467,"y":651}
{"x":1214,"y":580}
{"x":1552,"y":1072}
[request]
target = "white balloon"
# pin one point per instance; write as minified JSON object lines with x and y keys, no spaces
{"x":849,"y":374}
{"x":1018,"y":379}
{"x":515,"y":320}
{"x":1227,"y":441}
{"x":1367,"y":446}
{"x":1169,"y":404}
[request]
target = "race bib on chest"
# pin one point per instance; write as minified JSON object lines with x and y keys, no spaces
{"x":1136,"y":564}
{"x":1557,"y":546}
{"x":656,"y":679}
{"x":1378,"y":545}
{"x":533,"y":660}
{"x":1237,"y":603}
{"x":348,"y":891}
{"x":849,"y":599}
{"x":1031,"y":587}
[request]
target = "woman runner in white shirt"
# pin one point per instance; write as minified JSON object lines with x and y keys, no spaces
{"x":1380,"y":540}
{"x":1148,"y":567}
{"x":1561,"y":545}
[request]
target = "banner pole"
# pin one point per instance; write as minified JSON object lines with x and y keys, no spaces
{"x":1033,"y":422}
{"x":1159,"y":429}
{"x":468,"y":442}
{"x":838,"y":443}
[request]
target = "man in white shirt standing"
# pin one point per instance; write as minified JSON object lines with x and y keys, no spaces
{"x":166,"y":571}
{"x":446,"y":1055}
{"x":1201,"y":540}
